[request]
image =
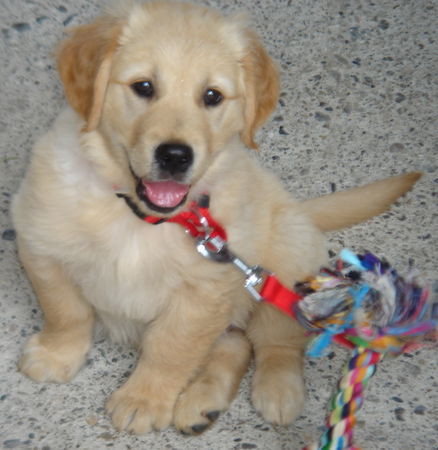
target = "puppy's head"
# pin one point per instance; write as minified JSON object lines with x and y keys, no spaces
{"x":168,"y":86}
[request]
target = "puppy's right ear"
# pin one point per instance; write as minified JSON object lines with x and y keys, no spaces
{"x":84,"y":64}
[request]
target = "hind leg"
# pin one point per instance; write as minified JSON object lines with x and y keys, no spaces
{"x":214,"y":388}
{"x":59,"y":350}
{"x":278,"y":386}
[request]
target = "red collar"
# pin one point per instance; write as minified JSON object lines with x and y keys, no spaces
{"x":196,"y":220}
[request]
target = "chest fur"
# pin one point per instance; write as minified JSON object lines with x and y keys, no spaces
{"x":131,"y":268}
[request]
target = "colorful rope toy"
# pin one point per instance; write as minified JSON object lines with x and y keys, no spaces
{"x":367,"y":306}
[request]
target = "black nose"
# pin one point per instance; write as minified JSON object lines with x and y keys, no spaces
{"x":174,"y":157}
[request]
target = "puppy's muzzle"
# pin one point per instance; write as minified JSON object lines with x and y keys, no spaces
{"x":173,"y":159}
{"x":168,"y":189}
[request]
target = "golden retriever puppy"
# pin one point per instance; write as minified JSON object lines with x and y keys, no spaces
{"x":165,"y":101}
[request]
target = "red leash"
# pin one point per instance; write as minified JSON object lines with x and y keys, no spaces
{"x":211,"y":241}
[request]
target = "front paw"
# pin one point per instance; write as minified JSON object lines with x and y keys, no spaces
{"x":53,"y":360}
{"x":139,"y":410}
{"x":200,"y":405}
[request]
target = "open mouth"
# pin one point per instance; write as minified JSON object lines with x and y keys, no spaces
{"x":162,"y":196}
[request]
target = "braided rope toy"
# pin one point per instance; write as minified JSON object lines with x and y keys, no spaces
{"x":366,"y":305}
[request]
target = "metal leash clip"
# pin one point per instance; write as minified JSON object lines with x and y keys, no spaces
{"x":216,"y":249}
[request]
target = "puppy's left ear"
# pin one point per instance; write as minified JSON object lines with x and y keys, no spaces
{"x":84,"y":64}
{"x":261,"y":82}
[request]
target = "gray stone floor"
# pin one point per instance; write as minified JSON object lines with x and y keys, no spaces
{"x":359,"y":102}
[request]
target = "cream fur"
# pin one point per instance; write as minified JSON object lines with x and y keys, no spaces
{"x":88,"y":255}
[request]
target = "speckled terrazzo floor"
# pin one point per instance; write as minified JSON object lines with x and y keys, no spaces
{"x":359,"y":102}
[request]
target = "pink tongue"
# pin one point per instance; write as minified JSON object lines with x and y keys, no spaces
{"x":165,"y":194}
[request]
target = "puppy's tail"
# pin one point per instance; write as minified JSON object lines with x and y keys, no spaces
{"x":346,"y":208}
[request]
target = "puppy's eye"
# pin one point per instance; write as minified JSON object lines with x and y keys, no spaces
{"x":212,"y":97}
{"x":143,"y":88}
